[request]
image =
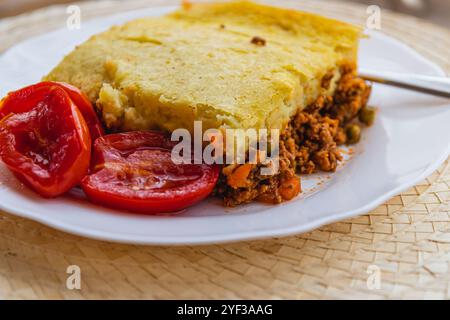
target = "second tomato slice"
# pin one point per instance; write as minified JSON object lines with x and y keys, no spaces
{"x":134,"y":171}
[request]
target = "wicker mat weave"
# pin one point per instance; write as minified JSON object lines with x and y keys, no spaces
{"x":407,"y":238}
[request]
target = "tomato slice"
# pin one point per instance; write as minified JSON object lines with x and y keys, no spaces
{"x":48,"y":145}
{"x":26,"y":98}
{"x":133,"y":171}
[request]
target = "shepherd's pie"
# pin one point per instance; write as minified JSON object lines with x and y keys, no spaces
{"x":230,"y":65}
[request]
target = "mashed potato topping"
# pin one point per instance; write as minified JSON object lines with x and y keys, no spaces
{"x":236,"y":65}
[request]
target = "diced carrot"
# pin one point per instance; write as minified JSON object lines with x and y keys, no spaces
{"x":186,"y":4}
{"x":238,"y":178}
{"x":290,"y":188}
{"x":227,"y":170}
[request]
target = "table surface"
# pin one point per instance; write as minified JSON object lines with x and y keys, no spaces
{"x":407,"y":239}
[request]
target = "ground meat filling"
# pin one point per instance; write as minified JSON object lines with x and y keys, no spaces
{"x":308,"y":144}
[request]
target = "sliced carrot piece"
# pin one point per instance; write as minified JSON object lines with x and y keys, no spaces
{"x":238,"y":178}
{"x":290,"y":188}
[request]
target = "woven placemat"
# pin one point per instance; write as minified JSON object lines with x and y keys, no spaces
{"x":404,"y":243}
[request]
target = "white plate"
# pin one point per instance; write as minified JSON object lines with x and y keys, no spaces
{"x":410,"y":139}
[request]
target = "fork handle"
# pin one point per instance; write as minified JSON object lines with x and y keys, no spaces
{"x":439,"y":86}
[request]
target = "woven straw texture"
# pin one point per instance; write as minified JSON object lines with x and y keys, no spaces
{"x":407,"y":238}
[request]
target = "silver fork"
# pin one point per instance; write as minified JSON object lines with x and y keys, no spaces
{"x":439,"y":86}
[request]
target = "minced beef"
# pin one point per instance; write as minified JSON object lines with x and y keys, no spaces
{"x":308,"y":144}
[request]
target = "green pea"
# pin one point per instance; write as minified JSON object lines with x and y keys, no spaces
{"x":353,"y":133}
{"x":367,"y":115}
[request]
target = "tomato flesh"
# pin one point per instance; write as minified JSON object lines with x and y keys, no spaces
{"x":133,"y":171}
{"x":48,"y":145}
{"x":27,"y":98}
